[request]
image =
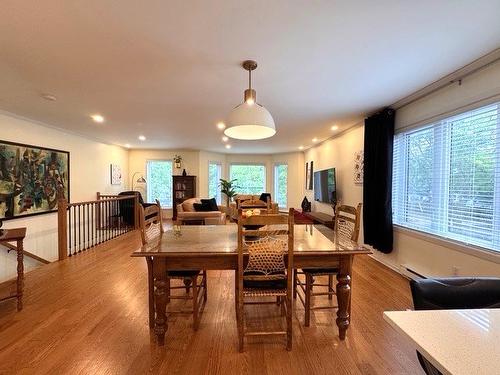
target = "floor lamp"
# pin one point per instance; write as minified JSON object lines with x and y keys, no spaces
{"x":140,"y":180}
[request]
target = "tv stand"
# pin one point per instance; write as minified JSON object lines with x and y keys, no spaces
{"x":319,"y":218}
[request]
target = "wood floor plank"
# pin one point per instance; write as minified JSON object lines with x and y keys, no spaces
{"x":88,"y":314}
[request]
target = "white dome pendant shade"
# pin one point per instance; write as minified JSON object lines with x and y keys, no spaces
{"x":250,"y":120}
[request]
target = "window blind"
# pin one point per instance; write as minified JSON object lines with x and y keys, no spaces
{"x":446,"y":178}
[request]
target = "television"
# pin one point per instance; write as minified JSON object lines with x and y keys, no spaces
{"x":325,"y":186}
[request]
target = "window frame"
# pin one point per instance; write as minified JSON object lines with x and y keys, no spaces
{"x":442,"y":153}
{"x":249,"y":164}
{"x":275,"y":184}
{"x":171,"y":161}
{"x":218,"y":197}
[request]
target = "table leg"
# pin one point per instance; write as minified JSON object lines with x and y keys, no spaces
{"x":160,"y":298}
{"x":151,"y":288}
{"x":20,"y":275}
{"x":344,"y":294}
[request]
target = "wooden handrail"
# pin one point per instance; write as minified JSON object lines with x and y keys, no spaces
{"x":115,"y":198}
{"x":83,"y":225}
{"x":11,"y":247}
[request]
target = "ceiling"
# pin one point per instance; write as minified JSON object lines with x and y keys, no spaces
{"x":170,"y":70}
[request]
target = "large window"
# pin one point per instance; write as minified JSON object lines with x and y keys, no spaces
{"x":280,"y":184}
{"x":251,"y":178}
{"x":159,"y":182}
{"x":446,"y":178}
{"x":214,"y":176}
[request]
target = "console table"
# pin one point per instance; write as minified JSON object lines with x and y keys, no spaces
{"x":15,"y":235}
{"x":317,"y":218}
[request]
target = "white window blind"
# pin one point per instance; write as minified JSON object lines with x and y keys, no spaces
{"x":214,"y":176}
{"x":280,"y":184}
{"x":446,"y":178}
{"x":159,"y":182}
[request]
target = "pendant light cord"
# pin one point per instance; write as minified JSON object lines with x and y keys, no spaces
{"x":249,"y":79}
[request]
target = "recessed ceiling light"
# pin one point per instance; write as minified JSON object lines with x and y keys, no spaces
{"x":221,"y":125}
{"x":97,"y":118}
{"x":315,"y":140}
{"x":301,"y":147}
{"x":228,"y":146}
{"x":142,"y":138}
{"x":225,"y":139}
{"x":127,"y":145}
{"x":335,"y":127}
{"x":49,"y":97}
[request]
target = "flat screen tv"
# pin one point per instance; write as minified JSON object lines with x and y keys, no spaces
{"x":324,"y":186}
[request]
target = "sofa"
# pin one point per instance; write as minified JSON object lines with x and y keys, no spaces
{"x":186,"y":213}
{"x":244,"y":201}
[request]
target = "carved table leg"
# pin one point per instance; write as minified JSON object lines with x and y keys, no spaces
{"x":20,"y":275}
{"x":344,"y":294}
{"x":160,"y":297}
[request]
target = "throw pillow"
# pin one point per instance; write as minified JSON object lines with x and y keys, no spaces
{"x":212,"y":203}
{"x":201,"y":207}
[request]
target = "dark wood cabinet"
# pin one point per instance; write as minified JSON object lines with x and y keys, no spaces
{"x":184,"y":187}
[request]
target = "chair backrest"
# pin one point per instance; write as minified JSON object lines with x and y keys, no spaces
{"x":347,"y":221}
{"x":456,"y":293}
{"x":133,"y":192}
{"x":151,"y":223}
{"x":266,"y":245}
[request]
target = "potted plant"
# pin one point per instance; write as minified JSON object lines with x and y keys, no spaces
{"x":228,"y":188}
{"x":177,"y":161}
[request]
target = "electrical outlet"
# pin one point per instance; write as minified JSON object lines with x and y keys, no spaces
{"x":454,"y":270}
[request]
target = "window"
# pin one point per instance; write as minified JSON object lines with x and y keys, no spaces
{"x":446,"y":178}
{"x":251,"y":178}
{"x":214,"y":176}
{"x":159,"y":182}
{"x":280,"y":184}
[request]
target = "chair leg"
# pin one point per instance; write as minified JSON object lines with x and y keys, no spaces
{"x":294,"y":284}
{"x":241,"y":325}
{"x":330,"y":286}
{"x":205,"y":290}
{"x":187,"y":284}
{"x":307,"y":306}
{"x":278,"y":300}
{"x":236,"y":294}
{"x":288,"y":300}
{"x":282,"y":305}
{"x":168,"y":290}
{"x":196,"y":322}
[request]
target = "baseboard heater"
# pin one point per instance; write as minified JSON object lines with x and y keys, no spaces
{"x":411,"y":273}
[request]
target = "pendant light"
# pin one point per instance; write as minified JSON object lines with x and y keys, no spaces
{"x":250,"y":120}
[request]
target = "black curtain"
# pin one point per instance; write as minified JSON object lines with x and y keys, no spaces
{"x":377,"y":181}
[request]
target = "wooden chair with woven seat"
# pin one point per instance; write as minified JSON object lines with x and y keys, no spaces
{"x":264,"y":274}
{"x":347,"y":222}
{"x":151,"y":225}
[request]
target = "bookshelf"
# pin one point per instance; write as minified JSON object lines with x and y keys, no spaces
{"x":184,"y":187}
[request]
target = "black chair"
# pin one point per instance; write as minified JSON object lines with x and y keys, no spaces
{"x":127,"y":206}
{"x":453,"y":293}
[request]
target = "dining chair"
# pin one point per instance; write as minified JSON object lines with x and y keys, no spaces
{"x":151,"y":225}
{"x":347,"y":223}
{"x":266,"y":239}
{"x":453,"y":293}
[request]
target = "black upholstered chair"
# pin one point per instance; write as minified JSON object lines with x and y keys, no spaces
{"x":127,"y":206}
{"x":453,"y":293}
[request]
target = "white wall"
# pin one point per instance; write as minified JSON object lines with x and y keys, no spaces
{"x":89,"y":173}
{"x":425,"y":254}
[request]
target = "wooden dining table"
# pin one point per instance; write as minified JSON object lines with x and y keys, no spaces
{"x":214,"y":247}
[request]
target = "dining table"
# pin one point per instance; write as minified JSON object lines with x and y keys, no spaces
{"x":214,"y":247}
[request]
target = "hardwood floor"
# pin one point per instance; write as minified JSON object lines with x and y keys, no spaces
{"x":88,"y":314}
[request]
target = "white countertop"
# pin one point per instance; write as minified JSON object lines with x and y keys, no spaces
{"x":454,"y":341}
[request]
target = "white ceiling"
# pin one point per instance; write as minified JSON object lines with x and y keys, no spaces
{"x":170,"y":69}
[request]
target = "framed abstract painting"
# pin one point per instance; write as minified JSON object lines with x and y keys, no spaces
{"x":32,"y":179}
